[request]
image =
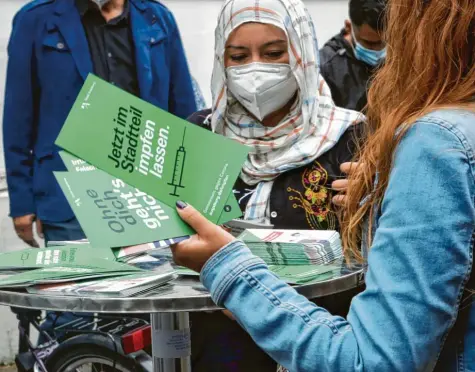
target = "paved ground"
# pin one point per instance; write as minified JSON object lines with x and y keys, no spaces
{"x":8,"y":368}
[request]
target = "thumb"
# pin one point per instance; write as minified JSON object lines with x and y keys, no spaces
{"x":195,"y":219}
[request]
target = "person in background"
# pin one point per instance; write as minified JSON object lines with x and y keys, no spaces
{"x":409,"y":217}
{"x":349,"y":59}
{"x":54,"y":45}
{"x":269,"y":95}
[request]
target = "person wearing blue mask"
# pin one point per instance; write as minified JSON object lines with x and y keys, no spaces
{"x":349,"y":59}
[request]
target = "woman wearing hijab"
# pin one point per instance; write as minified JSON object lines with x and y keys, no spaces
{"x":412,"y":204}
{"x":269,"y":95}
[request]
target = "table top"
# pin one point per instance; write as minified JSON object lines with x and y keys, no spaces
{"x":182,"y":294}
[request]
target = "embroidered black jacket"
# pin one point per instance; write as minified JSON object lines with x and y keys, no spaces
{"x":301,"y":198}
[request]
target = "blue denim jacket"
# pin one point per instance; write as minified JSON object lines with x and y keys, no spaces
{"x":419,"y":262}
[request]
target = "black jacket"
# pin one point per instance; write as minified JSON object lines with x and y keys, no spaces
{"x":301,"y":198}
{"x":347,"y":76}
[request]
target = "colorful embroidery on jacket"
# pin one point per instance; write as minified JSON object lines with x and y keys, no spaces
{"x":316,"y":199}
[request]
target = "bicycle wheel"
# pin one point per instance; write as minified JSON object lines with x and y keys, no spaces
{"x":91,"y":359}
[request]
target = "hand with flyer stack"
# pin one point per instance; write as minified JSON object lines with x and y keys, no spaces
{"x":210,"y":238}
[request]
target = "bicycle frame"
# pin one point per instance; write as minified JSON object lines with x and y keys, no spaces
{"x":104,"y":331}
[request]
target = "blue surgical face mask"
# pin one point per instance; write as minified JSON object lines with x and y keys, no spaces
{"x":369,"y":56}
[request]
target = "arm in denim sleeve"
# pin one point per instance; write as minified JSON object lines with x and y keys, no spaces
{"x":418,"y":264}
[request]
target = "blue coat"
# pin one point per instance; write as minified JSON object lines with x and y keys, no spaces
{"x":49,"y":60}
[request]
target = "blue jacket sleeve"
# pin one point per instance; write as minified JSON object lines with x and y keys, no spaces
{"x":417,"y":267}
{"x":20,"y":115}
{"x":182,"y":97}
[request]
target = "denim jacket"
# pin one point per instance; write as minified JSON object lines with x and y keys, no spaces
{"x":418,"y":266}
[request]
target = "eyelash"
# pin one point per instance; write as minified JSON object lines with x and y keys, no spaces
{"x":273,"y":55}
{"x":239,"y":57}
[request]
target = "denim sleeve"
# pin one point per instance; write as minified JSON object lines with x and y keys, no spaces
{"x":419,"y":262}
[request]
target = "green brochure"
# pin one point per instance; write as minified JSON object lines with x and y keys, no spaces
{"x":68,"y":255}
{"x":73,"y":164}
{"x":156,"y":152}
{"x":96,"y":269}
{"x":114,"y":214}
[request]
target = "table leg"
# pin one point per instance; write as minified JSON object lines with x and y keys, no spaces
{"x":171,"y":344}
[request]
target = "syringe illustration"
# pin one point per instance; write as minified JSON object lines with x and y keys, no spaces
{"x":179,"y":167}
{"x":24,"y":257}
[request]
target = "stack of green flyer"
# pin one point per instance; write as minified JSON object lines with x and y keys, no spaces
{"x":84,"y":270}
{"x":69,"y":255}
{"x":294,"y":247}
{"x":80,"y":265}
{"x":292,"y":274}
{"x":305,"y":274}
{"x":124,"y":286}
{"x":129,"y":162}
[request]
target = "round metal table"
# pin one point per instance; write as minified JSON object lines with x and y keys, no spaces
{"x":169,"y":307}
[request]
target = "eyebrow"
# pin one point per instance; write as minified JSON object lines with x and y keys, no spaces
{"x":279,"y":41}
{"x":273,"y":42}
{"x":235,"y":47}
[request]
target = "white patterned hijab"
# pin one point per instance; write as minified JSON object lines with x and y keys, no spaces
{"x":314,"y":124}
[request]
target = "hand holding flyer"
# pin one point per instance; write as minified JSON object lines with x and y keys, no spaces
{"x":115,"y":214}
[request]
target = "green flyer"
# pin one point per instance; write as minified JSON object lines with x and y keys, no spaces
{"x":97,"y":268}
{"x":114,"y":214}
{"x":67,"y":255}
{"x":73,"y":164}
{"x":156,"y":152}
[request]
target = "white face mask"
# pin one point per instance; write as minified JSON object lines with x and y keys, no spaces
{"x":262,"y":88}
